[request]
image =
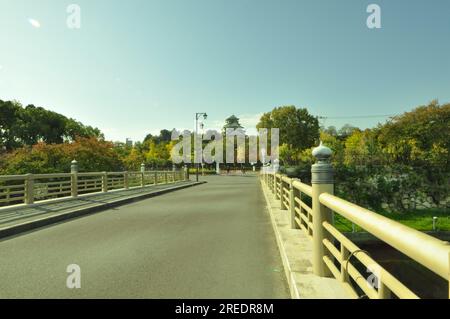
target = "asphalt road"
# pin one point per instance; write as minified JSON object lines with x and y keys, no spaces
{"x":210,"y":241}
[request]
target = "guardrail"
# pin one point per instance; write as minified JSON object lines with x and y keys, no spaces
{"x":336,"y":255}
{"x":31,"y":188}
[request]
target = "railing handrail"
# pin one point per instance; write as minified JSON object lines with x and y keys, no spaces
{"x":46,"y":176}
{"x":12,"y":177}
{"x":41,"y":186}
{"x":56,"y":175}
{"x":425,"y":249}
{"x":304,"y":188}
{"x":432,"y":253}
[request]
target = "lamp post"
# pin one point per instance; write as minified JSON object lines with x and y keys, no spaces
{"x":197,"y":116}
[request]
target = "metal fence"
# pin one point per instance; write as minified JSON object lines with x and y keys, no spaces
{"x":334,"y":255}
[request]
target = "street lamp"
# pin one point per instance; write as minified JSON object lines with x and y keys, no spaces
{"x":197,"y":116}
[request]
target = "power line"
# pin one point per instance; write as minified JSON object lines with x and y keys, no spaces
{"x":355,"y":116}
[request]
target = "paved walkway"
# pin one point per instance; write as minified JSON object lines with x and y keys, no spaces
{"x":10,"y":216}
{"x":209,"y":241}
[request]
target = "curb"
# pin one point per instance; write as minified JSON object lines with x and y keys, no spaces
{"x":287,"y":268}
{"x":39,"y":223}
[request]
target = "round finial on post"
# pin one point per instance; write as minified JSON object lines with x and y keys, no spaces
{"x":142,"y":167}
{"x":322,"y":153}
{"x":74,"y":166}
{"x":322,"y":182}
{"x":322,"y":172}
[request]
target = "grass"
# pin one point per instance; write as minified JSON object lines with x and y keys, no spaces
{"x":418,"y":219}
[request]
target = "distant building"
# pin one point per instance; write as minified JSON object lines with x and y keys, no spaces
{"x":129,"y":142}
{"x":232,"y":123}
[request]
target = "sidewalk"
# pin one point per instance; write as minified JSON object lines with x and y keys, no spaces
{"x":296,"y":253}
{"x":20,"y":218}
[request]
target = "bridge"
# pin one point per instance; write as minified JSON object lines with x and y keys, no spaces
{"x":157,"y":234}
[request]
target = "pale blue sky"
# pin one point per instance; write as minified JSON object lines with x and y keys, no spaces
{"x":138,"y":66}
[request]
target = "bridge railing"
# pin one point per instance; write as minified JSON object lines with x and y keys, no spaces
{"x":31,"y":188}
{"x":311,"y":208}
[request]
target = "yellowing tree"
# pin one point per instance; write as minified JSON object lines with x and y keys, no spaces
{"x":133,"y":160}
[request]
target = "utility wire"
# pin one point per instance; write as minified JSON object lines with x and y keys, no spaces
{"x":356,"y":116}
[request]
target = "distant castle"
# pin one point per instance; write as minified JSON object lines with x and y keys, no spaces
{"x":232,"y":123}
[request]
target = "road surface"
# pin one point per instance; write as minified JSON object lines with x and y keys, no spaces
{"x":210,"y":241}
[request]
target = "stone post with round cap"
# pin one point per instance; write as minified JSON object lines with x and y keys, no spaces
{"x":322,"y":182}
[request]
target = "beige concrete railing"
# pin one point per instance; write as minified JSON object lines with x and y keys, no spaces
{"x":336,"y":255}
{"x":31,"y":188}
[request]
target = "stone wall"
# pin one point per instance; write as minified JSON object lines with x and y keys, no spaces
{"x":392,"y":189}
{"x":416,"y":200}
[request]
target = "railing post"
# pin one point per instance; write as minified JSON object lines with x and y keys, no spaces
{"x":29,"y":189}
{"x":344,"y":256}
{"x":383,"y":291}
{"x":276,"y":168}
{"x":292,"y":204}
{"x":274,"y":189}
{"x":156,"y":178}
{"x":186,"y":173}
{"x":322,"y":182}
{"x":166,"y":181}
{"x":74,"y":178}
{"x":126,"y":183}
{"x":282,"y":206}
{"x":217,"y":168}
{"x":104,"y":182}
{"x":278,"y":188}
{"x":142,"y":175}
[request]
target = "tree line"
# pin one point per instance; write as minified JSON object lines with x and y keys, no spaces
{"x":420,"y":137}
{"x":26,"y":126}
{"x":36,"y":140}
{"x":408,"y":156}
{"x":408,"y":152}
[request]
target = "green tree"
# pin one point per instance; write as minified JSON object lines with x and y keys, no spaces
{"x":27,"y":126}
{"x":331,"y":130}
{"x":9,"y":124}
{"x":288,"y":155}
{"x":297,"y":127}
{"x":346,"y":130}
{"x":420,"y":137}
